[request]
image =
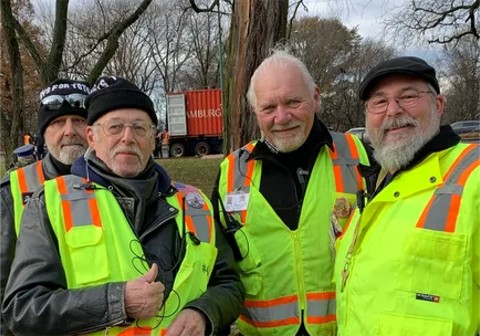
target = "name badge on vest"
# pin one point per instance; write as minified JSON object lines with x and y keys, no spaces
{"x":236,"y":201}
{"x":26,"y":197}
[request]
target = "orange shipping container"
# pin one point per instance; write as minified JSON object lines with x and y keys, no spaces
{"x":201,"y":114}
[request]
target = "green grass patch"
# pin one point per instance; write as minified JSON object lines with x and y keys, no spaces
{"x":198,"y":172}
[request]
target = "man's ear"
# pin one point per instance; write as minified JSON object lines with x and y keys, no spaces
{"x":90,"y":137}
{"x":440,"y":103}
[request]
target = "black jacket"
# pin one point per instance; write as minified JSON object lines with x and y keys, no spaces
{"x":51,"y":169}
{"x":37,"y":300}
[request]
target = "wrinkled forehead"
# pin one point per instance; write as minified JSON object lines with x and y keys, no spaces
{"x":125,"y":114}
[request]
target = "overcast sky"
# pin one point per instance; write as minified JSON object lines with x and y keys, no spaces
{"x":367,"y":15}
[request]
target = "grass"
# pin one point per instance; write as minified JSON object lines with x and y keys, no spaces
{"x":198,"y":172}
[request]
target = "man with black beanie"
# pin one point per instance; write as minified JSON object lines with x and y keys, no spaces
{"x":118,"y":247}
{"x":62,"y":123}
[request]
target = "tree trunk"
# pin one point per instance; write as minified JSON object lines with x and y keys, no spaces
{"x":256,"y":27}
{"x":12,"y":129}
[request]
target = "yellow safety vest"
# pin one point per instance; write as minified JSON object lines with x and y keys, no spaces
{"x":286,"y":272}
{"x":410,"y":263}
{"x":90,"y":226}
{"x":23,"y":182}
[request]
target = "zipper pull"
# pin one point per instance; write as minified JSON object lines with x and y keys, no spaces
{"x":345,"y":271}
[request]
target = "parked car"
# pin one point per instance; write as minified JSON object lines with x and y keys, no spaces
{"x":466,"y":126}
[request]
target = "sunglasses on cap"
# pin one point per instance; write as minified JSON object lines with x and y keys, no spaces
{"x":55,"y":102}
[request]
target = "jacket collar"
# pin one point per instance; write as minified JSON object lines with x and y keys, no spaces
{"x":318,"y":137}
{"x":82,"y":169}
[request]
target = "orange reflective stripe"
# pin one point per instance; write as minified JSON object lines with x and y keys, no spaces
{"x":354,"y":152}
{"x":337,"y":172}
{"x":231,"y":173}
{"x":453,"y":213}
{"x":321,"y":296}
{"x":460,"y":158}
{"x":466,"y":173}
{"x":423,"y":216}
{"x":134,"y":331}
{"x":269,"y":303}
{"x":271,"y":324}
{"x":454,"y":198}
{"x":22,"y":180}
{"x":92,"y":203}
{"x":39,"y":169}
{"x":321,"y":319}
{"x":67,"y":213}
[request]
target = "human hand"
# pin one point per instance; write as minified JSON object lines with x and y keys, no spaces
{"x":144,"y":296}
{"x":189,"y":322}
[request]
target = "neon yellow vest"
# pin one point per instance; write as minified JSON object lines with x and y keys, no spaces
{"x":410,"y":263}
{"x":89,"y":224}
{"x":286,"y":272}
{"x":23,"y":182}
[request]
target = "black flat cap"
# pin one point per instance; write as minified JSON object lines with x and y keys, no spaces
{"x":408,"y":65}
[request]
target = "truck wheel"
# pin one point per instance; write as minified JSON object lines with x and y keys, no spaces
{"x":177,"y":150}
{"x":202,"y":148}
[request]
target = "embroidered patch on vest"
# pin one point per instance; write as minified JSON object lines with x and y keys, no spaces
{"x":428,"y":297}
{"x":342,"y":208}
{"x":26,"y":196}
{"x":195,"y":200}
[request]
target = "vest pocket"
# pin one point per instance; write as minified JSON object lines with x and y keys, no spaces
{"x":433,"y":263}
{"x":249,"y":265}
{"x":402,"y":325}
{"x":88,"y":256}
{"x":195,"y":271}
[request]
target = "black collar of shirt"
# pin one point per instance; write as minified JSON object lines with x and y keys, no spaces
{"x":318,"y":137}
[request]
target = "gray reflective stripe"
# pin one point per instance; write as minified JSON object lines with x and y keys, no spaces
{"x":31,"y":177}
{"x":321,"y":308}
{"x":346,"y":162}
{"x":437,"y":215}
{"x":78,"y":199}
{"x":200,"y":217}
{"x":240,"y":170}
{"x":200,"y":220}
{"x":273,"y":313}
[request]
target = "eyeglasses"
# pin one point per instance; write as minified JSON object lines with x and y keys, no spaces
{"x":55,"y":102}
{"x":116,"y":127}
{"x":379,"y":104}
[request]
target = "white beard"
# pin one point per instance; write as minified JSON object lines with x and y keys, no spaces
{"x":401,"y":151}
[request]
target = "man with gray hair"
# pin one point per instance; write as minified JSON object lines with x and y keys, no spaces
{"x":62,"y":123}
{"x":284,"y":199}
{"x":118,"y":247}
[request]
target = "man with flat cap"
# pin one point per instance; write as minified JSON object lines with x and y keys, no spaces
{"x":409,"y":261}
{"x":25,"y":155}
{"x":62,"y":124}
{"x":117,"y":248}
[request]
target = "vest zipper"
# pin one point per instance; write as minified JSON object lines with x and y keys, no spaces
{"x":348,"y":256}
{"x":299,"y":267}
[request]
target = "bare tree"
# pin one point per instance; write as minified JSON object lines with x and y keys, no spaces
{"x":49,"y":63}
{"x":462,"y":81}
{"x":440,"y":21}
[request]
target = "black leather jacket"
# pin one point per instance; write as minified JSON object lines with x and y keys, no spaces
{"x":38,"y":302}
{"x":8,"y":238}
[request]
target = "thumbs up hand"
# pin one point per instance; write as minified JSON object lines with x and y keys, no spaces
{"x":143,"y":295}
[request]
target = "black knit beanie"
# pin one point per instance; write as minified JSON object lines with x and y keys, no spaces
{"x":61,"y":87}
{"x":110,"y":93}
